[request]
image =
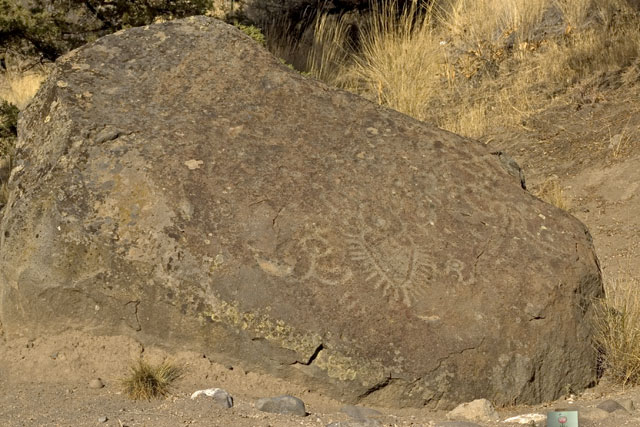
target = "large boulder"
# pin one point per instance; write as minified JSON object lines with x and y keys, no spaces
{"x":178,"y":184}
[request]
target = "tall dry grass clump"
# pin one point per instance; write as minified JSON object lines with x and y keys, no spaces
{"x":400,"y":61}
{"x":146,"y":381}
{"x":489,"y":23}
{"x":618,"y":330}
{"x":330,"y":49}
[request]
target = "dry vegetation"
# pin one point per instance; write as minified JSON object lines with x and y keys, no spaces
{"x":618,"y":319}
{"x":551,"y":192}
{"x":472,"y":65}
{"x":18,"y":88}
{"x":146,"y":381}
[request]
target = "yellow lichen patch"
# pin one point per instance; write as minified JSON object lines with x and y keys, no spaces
{"x":337,"y":365}
{"x":273,"y":330}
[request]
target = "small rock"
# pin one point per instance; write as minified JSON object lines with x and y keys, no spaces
{"x":457,"y":424}
{"x":367,"y":422}
{"x":526,"y":419}
{"x":107,"y":134}
{"x":359,"y":412}
{"x":54,"y":356}
{"x":478,"y":410}
{"x":282,"y":405}
{"x":220,"y":397}
{"x":103,"y":419}
{"x":627,"y":404}
{"x":592,"y":414}
{"x":96,"y":383}
{"x":610,"y":406}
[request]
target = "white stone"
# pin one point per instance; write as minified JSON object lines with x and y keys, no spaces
{"x":526,"y":418}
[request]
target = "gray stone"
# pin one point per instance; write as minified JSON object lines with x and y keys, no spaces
{"x":107,"y":134}
{"x":359,"y":411}
{"x":287,"y":405}
{"x":457,"y":424}
{"x":627,"y":404}
{"x":364,"y":422}
{"x":218,"y":396}
{"x":103,"y":419}
{"x":477,"y":410}
{"x":610,"y":406}
{"x":592,"y":414}
{"x":512,"y":167}
{"x":243,"y":205}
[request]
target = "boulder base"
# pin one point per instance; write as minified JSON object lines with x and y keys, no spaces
{"x":176,"y":183}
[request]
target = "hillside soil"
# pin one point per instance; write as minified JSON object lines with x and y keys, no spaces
{"x":589,"y":139}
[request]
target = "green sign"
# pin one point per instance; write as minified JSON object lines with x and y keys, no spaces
{"x":562,"y":419}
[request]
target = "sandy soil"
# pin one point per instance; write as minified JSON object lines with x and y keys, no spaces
{"x":45,"y":381}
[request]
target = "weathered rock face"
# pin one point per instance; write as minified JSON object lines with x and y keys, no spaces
{"x":178,"y":184}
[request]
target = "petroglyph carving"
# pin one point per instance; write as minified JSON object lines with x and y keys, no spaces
{"x":395,"y":265}
{"x":391,"y":253}
{"x":274,"y":268}
{"x":322,"y":262}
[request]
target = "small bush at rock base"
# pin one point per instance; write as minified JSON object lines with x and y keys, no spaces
{"x":147,"y":381}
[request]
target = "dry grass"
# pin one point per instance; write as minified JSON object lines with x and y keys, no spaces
{"x":19,"y":88}
{"x":551,"y":192}
{"x":490,"y":23}
{"x":400,"y":63}
{"x":330,"y":50}
{"x":618,"y":330}
{"x":471,"y":65}
{"x":574,"y":12}
{"x":147,"y":381}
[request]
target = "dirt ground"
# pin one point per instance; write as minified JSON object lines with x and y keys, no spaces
{"x":590,"y":140}
{"x":46,"y":382}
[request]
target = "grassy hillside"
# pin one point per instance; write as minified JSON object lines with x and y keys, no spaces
{"x":471,"y":65}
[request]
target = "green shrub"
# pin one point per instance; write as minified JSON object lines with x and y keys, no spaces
{"x":252,"y":31}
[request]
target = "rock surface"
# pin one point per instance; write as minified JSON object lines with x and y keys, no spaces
{"x":359,"y":412}
{"x":96,"y":383}
{"x":477,"y":410}
{"x":286,"y":405}
{"x":218,"y":396}
{"x":177,"y":184}
{"x":611,"y":406}
{"x":363,"y":422}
